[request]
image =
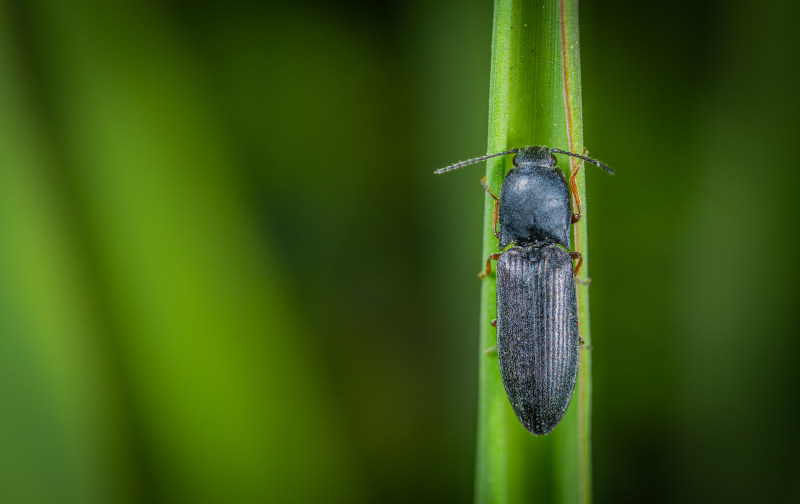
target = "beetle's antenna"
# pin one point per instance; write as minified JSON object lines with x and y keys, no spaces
{"x":473,"y":160}
{"x":593,"y":161}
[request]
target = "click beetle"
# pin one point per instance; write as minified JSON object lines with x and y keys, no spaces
{"x":537,"y":311}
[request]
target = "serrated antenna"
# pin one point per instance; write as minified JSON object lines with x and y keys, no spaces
{"x":473,"y":160}
{"x":593,"y":161}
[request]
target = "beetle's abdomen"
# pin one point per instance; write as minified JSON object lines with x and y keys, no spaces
{"x":537,"y":333}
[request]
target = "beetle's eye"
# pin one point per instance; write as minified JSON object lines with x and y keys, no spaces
{"x":555,"y":161}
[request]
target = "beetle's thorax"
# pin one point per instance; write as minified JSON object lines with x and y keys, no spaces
{"x":534,"y":207}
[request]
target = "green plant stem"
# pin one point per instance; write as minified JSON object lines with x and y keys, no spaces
{"x":574,"y":113}
{"x":491,"y":484}
{"x":535,"y":99}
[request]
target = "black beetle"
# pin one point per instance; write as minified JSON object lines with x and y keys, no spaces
{"x":537,"y":312}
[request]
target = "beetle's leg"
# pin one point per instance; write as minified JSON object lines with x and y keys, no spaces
{"x":488,"y":270}
{"x":496,"y":207}
{"x":492,"y":349}
{"x":574,"y":184}
{"x":494,"y":323}
{"x":579,"y":257}
{"x":485,"y":186}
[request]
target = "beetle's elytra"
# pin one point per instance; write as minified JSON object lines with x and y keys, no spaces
{"x":537,"y":312}
{"x":537,"y":333}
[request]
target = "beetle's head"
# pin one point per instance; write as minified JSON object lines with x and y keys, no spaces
{"x":535,"y":155}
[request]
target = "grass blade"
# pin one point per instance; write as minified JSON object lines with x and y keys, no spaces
{"x":535,"y":99}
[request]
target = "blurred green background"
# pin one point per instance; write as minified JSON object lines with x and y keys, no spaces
{"x":227,"y":273}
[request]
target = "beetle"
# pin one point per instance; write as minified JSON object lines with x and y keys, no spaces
{"x":537,"y":311}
